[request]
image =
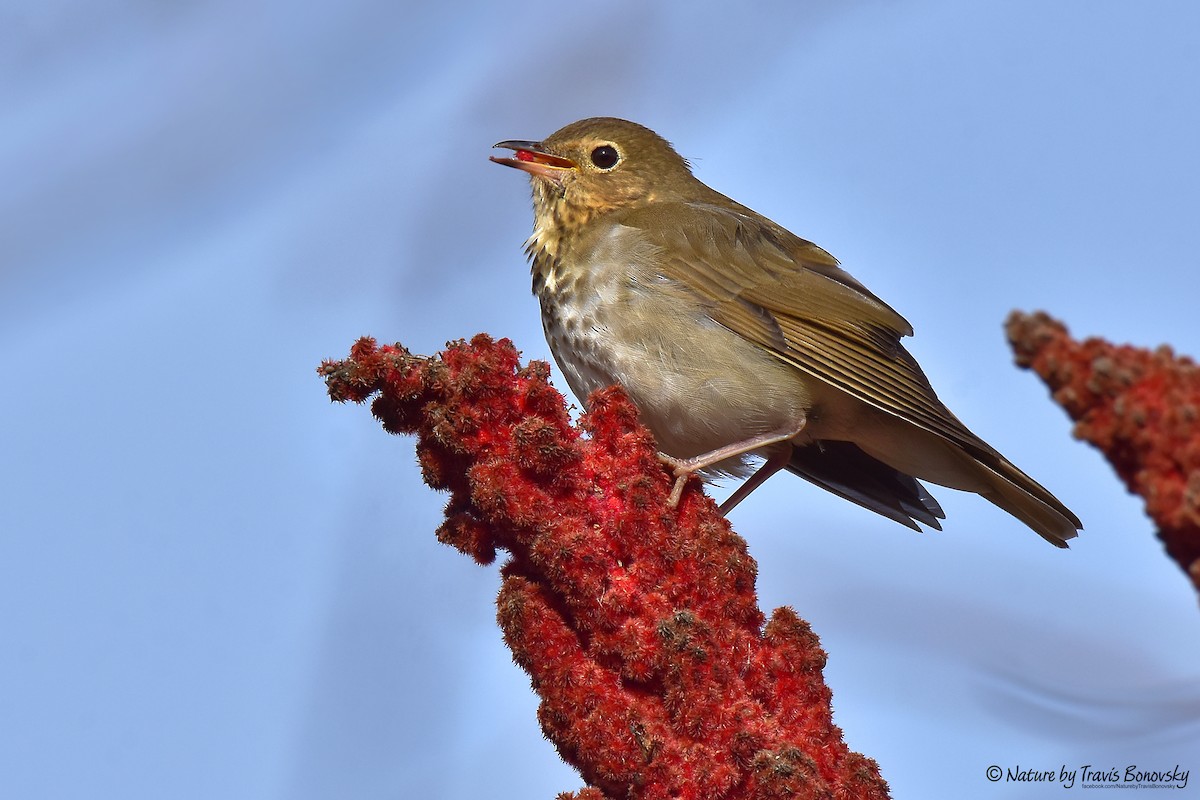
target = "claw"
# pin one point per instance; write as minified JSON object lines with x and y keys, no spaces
{"x":677,"y":491}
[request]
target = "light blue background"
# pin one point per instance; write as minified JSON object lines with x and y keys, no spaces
{"x":214,"y":584}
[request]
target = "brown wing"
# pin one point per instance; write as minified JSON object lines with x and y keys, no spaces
{"x":790,"y":296}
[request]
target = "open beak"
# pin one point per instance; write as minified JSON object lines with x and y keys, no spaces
{"x":532,"y":157}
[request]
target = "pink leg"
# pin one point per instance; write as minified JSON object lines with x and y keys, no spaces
{"x":778,"y":459}
{"x":685,"y":467}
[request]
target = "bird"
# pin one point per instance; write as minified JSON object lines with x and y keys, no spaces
{"x":738,"y":341}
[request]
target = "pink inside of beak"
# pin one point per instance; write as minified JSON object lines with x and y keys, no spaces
{"x":525,"y":155}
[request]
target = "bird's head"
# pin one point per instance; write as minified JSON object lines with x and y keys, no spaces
{"x":598,"y":165}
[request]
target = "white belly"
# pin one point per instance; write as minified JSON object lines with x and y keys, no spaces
{"x":697,"y":385}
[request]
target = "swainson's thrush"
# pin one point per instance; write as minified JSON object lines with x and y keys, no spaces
{"x":736,"y":338}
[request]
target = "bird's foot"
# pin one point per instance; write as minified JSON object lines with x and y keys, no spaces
{"x":682,"y":470}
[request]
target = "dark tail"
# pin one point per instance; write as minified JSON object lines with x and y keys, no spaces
{"x":845,"y":470}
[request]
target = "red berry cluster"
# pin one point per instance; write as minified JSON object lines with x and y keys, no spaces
{"x":1140,"y":407}
{"x":637,"y":623}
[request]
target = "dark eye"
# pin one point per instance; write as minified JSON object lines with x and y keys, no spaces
{"x":605,"y":156}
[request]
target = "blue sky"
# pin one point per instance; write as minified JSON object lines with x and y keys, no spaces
{"x":213,"y":583}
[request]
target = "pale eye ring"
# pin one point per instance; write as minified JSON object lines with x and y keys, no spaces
{"x":605,"y":157}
